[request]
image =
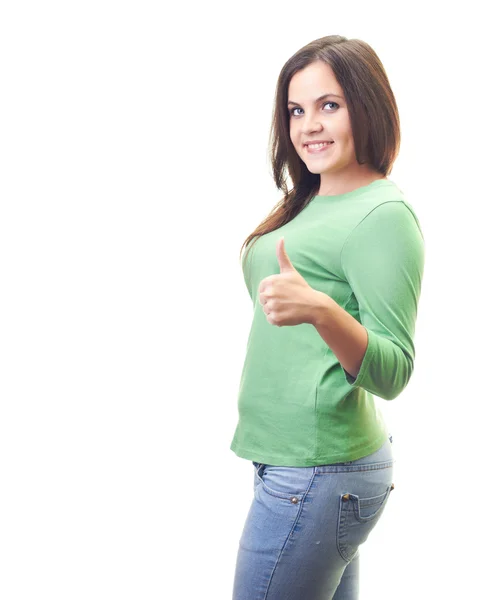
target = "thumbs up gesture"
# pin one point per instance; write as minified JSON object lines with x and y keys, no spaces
{"x":286,"y":298}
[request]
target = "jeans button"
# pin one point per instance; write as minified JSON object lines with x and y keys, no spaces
{"x":294,"y":500}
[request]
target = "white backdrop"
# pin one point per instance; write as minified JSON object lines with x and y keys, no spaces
{"x":134,"y":139}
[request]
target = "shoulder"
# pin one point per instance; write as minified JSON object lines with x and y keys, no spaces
{"x":389,"y":208}
{"x":387,"y":215}
{"x":389,"y":229}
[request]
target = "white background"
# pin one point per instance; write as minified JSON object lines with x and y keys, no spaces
{"x":133,"y":165}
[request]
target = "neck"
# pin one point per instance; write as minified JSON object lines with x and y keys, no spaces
{"x":341,"y":184}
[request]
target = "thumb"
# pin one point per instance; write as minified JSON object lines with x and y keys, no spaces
{"x":283,"y":259}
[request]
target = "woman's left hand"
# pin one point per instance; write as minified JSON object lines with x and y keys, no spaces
{"x":287,"y":298}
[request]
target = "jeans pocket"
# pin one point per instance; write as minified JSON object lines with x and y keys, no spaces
{"x":257,"y":478}
{"x":286,"y":483}
{"x":357,"y":518}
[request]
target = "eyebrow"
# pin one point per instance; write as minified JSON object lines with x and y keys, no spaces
{"x":317,"y":99}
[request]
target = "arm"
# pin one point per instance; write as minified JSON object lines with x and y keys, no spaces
{"x":345,"y":336}
{"x":383,"y":262}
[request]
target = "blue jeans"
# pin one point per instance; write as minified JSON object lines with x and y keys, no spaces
{"x":305,"y":525}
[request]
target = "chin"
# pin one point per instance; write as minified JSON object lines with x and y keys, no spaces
{"x":318,"y":171}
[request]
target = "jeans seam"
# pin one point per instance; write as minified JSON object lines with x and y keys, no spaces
{"x":297,"y":517}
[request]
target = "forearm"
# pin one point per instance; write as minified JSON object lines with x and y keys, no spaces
{"x":344,"y":335}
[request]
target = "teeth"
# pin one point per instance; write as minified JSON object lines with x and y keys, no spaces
{"x":315,"y":146}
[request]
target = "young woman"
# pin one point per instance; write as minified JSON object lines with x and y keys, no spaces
{"x":335,"y":306}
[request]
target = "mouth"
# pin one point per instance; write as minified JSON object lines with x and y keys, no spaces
{"x":317,"y":148}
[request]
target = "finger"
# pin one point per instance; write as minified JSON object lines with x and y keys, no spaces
{"x":283,"y":258}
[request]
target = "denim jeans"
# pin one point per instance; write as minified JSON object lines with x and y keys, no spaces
{"x":302,"y":534}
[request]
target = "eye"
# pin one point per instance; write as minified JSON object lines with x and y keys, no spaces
{"x":292,"y":110}
{"x":292,"y":113}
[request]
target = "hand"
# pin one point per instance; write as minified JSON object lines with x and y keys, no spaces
{"x":286,"y":298}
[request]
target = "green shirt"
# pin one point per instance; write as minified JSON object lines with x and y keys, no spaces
{"x":297,"y":406}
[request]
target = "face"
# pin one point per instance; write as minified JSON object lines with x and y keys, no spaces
{"x":315,"y":118}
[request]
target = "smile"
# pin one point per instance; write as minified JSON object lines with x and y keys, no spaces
{"x":317,"y":148}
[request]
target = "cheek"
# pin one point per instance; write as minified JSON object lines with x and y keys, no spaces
{"x":342,"y":127}
{"x":295,"y":143}
{"x":345,"y":141}
{"x":350,"y":143}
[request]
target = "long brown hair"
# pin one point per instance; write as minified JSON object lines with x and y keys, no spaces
{"x":373,"y":114}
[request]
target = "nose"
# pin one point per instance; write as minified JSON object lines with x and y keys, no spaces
{"x":311,"y":124}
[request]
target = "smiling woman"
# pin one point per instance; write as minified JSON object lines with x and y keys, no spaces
{"x":321,"y":131}
{"x":333,"y":89}
{"x":335,"y":307}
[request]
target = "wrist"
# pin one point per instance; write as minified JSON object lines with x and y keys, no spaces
{"x":321,"y":308}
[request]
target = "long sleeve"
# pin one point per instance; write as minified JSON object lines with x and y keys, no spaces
{"x":383,"y":261}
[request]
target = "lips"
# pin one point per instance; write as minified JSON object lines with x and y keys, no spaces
{"x":318,"y":142}
{"x":318,"y":150}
